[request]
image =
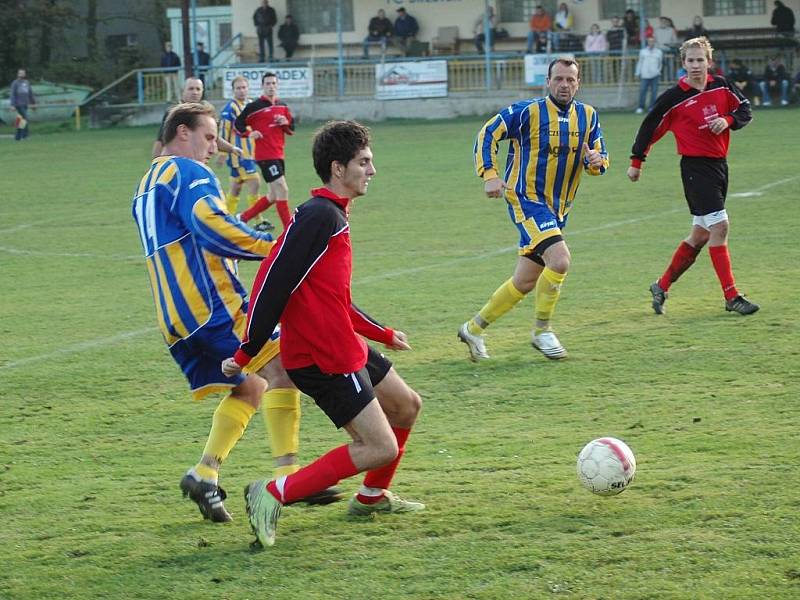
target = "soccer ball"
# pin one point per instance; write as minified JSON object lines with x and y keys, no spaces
{"x":606,"y":466}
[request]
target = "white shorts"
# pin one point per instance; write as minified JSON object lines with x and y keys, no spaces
{"x":706,"y":221}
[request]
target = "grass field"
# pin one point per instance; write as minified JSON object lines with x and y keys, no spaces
{"x":96,"y":425}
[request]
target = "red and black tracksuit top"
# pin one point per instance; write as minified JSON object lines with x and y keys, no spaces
{"x":260,"y":116}
{"x":687,"y":112}
{"x":305,"y":284}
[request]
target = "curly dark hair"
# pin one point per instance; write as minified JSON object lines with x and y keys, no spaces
{"x":337,"y":141}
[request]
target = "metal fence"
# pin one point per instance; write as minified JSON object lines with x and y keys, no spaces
{"x":465,"y":74}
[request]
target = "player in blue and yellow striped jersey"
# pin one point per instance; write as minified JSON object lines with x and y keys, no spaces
{"x":552,"y":141}
{"x":243,"y":169}
{"x":190,"y":241}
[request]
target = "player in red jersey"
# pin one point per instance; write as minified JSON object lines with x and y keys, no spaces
{"x":700,"y":110}
{"x":305,"y":283}
{"x":268,"y":121}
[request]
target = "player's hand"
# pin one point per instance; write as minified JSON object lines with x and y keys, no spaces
{"x":634,"y":173}
{"x":281,"y":120}
{"x":399,"y":342}
{"x":230,"y":368}
{"x":238,"y":151}
{"x":718,"y":125}
{"x":494,"y":188}
{"x":256,"y":135}
{"x":593,"y":157}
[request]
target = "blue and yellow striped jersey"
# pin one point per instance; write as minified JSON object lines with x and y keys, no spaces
{"x":189,"y":239}
{"x":545,"y":157}
{"x":228,"y":132}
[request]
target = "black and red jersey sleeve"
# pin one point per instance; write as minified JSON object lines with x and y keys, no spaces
{"x":741,"y":113}
{"x":365,"y":325}
{"x":297,"y":250}
{"x":288,"y":129}
{"x":655,"y":125}
{"x":240,"y":124}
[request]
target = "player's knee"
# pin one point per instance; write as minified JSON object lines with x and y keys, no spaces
{"x":251,"y":390}
{"x":560,"y":263}
{"x":411,"y":406}
{"x":385,"y":451}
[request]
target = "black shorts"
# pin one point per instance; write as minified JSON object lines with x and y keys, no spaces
{"x":342,"y":396}
{"x":705,"y":183}
{"x":272,"y":169}
{"x":536,"y":254}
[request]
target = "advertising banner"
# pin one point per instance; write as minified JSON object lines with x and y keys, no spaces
{"x":536,"y":67}
{"x":396,"y":81}
{"x":293,"y":82}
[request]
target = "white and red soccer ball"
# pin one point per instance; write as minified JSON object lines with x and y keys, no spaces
{"x":606,"y":466}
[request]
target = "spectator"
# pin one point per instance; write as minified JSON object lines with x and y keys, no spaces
{"x":21,"y":97}
{"x":405,"y":28}
{"x":265,"y":18}
{"x":562,"y":25}
{"x":541,"y":23}
{"x":480,"y":34}
{"x":615,"y":35}
{"x":203,"y":62}
{"x":742,"y":78}
{"x":595,"y":41}
{"x":775,"y":78}
{"x":380,"y":30}
{"x":631,"y":23}
{"x":170,"y":60}
{"x":289,"y":34}
{"x":648,"y":29}
{"x":783,"y":18}
{"x":697,"y":29}
{"x":648,"y":70}
{"x":665,"y":34}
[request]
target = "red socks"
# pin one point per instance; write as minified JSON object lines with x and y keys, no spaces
{"x":260,"y":206}
{"x":381,"y":478}
{"x":722,"y":265}
{"x":683,"y":258}
{"x":282,"y":206}
{"x":324,"y":472}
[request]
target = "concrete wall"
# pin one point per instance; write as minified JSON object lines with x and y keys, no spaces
{"x":455,"y":105}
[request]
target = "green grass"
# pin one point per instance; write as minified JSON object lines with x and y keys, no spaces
{"x":96,"y":425}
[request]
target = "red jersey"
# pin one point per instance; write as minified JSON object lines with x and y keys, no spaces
{"x":687,"y":112}
{"x":260,"y":115}
{"x":305,"y":283}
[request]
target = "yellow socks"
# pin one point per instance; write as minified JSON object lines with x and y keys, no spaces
{"x":281,"y":408}
{"x":503,"y":300}
{"x":232,"y":202}
{"x":228,"y":425}
{"x":548,"y":289}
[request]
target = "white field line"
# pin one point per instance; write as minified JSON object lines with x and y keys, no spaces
{"x":107,"y":341}
{"x":79,"y":347}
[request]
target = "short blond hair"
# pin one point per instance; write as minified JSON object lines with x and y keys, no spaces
{"x":698,"y":42}
{"x":240,"y":78}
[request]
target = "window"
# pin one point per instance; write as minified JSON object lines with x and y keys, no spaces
{"x":224,"y":33}
{"x":520,"y":11}
{"x":720,"y":8}
{"x":617,"y":8}
{"x":114,"y":43}
{"x":319,"y":16}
